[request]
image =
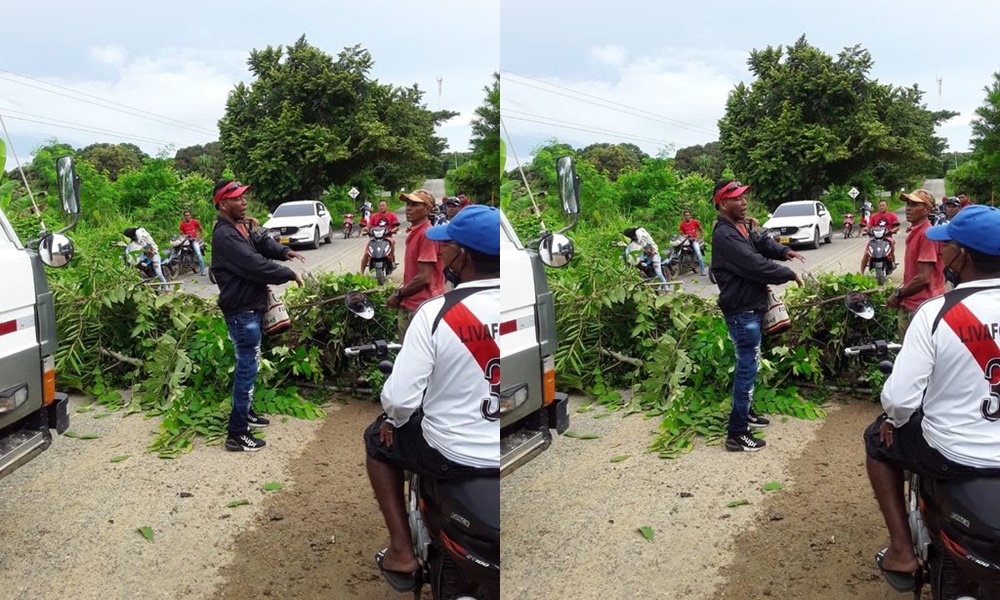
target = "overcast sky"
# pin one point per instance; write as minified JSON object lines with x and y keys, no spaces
{"x":676,"y":62}
{"x":174,"y":63}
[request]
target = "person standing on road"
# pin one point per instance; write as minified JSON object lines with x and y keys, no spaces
{"x":243,"y":265}
{"x":441,"y":402}
{"x":923,"y":275}
{"x":940,"y":405}
{"x":422,"y":271}
{"x":743,"y":266}
{"x":191,"y":227}
{"x":691,"y":227}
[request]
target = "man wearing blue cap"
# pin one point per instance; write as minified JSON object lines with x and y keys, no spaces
{"x":442,"y":401}
{"x":942,"y":401}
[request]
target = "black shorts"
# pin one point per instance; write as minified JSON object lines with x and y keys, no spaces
{"x":411,"y":452}
{"x":910,"y":451}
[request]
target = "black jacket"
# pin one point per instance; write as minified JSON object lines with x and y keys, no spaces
{"x":743,"y":267}
{"x":243,"y":270}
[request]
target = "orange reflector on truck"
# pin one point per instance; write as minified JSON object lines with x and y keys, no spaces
{"x":48,"y":380}
{"x":548,"y":380}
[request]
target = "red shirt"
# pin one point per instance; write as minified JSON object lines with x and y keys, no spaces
{"x":390,"y":218}
{"x":690,"y":228}
{"x":419,"y":249}
{"x":919,"y":249}
{"x":190,"y":228}
{"x":890,"y":218}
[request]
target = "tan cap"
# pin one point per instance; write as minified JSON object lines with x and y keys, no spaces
{"x":922,"y":196}
{"x":421,"y":195}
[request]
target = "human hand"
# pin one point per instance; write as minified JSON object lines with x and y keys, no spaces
{"x":798,"y":280}
{"x":298,"y":280}
{"x":893,"y":301}
{"x":294,"y":254}
{"x":885,"y":432}
{"x":794,"y":254}
{"x":393,"y":301}
{"x":385,"y":433}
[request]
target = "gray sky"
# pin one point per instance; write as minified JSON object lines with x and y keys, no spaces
{"x":676,"y":62}
{"x":179,"y":60}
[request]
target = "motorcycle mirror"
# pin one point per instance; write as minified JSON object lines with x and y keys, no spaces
{"x":555,"y":250}
{"x":69,"y":185}
{"x":859,"y":304}
{"x":359,"y":304}
{"x":569,"y":185}
{"x":55,"y":250}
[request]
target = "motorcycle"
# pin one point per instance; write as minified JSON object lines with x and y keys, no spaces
{"x":848,"y":225}
{"x":348,"y":224}
{"x":181,"y":257}
{"x":954,"y":525}
{"x":682,"y":257}
{"x":454,"y":525}
{"x":878,"y":253}
{"x":378,"y":252}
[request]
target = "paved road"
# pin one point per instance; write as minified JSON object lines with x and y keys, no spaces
{"x":339,"y":256}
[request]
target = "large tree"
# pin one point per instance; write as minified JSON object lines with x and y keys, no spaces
{"x":308,"y":121}
{"x":985,"y":142}
{"x":205,"y":160}
{"x":706,"y":160}
{"x":113,"y":159}
{"x":479,"y":177}
{"x":613,"y":159}
{"x":810,"y":121}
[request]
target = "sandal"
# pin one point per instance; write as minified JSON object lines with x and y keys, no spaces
{"x":900,"y":581}
{"x":400,"y":581}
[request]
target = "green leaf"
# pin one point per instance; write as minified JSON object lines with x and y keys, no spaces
{"x":81,"y":436}
{"x":581,"y":436}
{"x":619,"y":458}
{"x":771,"y":486}
{"x":272,"y":486}
{"x":239,"y":502}
{"x":119,"y":458}
{"x":739,"y":502}
{"x":647,"y":532}
{"x":147,"y":532}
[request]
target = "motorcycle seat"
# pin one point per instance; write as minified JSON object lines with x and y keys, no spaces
{"x":970,"y":503}
{"x":472,"y":504}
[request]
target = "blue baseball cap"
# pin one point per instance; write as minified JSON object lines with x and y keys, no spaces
{"x":475,"y":226}
{"x":974,"y":227}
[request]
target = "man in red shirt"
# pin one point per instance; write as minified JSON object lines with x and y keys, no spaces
{"x":391,"y":221}
{"x":191,"y":228}
{"x":882,"y":218}
{"x":423,"y":274}
{"x":923,"y":273}
{"x":691,"y":228}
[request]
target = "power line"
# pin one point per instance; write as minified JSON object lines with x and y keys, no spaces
{"x":630,"y":110}
{"x":580,"y":126}
{"x":587,"y":129}
{"x":89,"y":130}
{"x":135,"y":112}
{"x":82,"y":126}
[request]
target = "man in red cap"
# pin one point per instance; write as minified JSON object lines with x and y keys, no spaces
{"x":743,"y":266}
{"x":923,"y":273}
{"x":243,"y":266}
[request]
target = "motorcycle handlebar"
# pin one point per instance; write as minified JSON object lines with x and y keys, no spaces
{"x":880,"y":346}
{"x":378,"y":346}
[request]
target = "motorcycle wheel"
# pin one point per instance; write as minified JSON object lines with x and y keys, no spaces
{"x":880,"y":275}
{"x":847,"y":231}
{"x":380,"y":274}
{"x":347,"y":231}
{"x":170,"y":270}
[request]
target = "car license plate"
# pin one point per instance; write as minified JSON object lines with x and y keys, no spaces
{"x":283,"y":240}
{"x":784,"y":240}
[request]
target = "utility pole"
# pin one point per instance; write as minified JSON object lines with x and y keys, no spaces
{"x":939,"y":80}
{"x":440,"y":80}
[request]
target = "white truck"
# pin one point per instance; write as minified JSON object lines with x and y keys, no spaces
{"x":530,"y":406}
{"x":30,"y":406}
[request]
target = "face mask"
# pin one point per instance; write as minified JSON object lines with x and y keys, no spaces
{"x":950,"y":275}
{"x":450,"y":275}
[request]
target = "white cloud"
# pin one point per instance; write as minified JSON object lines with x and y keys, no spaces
{"x":610,"y":54}
{"x":109,"y":54}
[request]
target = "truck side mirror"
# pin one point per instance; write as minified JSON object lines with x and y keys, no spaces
{"x":69,"y":185}
{"x":555,"y":250}
{"x":569,"y":185}
{"x":55,"y":250}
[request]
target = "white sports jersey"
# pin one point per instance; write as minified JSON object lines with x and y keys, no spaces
{"x":954,"y":375}
{"x":455,"y":376}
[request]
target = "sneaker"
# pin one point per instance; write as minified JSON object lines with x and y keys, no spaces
{"x":743,"y":442}
{"x":258,"y":421}
{"x":244,"y":442}
{"x":755,"y":420}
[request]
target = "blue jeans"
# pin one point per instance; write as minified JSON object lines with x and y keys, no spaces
{"x":201,"y":259}
{"x":244,"y":331}
{"x":701,"y":259}
{"x":744,"y":331}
